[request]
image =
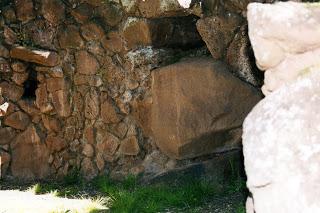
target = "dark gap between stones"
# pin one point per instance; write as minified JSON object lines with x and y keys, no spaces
{"x":30,"y":86}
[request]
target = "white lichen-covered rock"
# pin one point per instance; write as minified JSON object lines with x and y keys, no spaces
{"x":185,"y":3}
{"x":281,"y":145}
{"x":289,"y":44}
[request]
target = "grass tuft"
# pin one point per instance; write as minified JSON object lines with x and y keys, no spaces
{"x":128,"y":196}
{"x":35,"y":189}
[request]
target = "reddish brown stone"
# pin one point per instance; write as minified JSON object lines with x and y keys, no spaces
{"x":78,"y":102}
{"x":11,"y":91}
{"x":61,"y":103}
{"x":6,"y":135}
{"x":55,"y":72}
{"x":164,"y":32}
{"x":17,"y":120}
{"x":46,"y":58}
{"x":92,"y":31}
{"x":108,"y":146}
{"x":9,"y":14}
{"x":91,"y":110}
{"x":86,"y":63}
{"x":100,"y":161}
{"x":30,"y":155}
{"x":90,"y":80}
{"x":137,"y":33}
{"x":94,"y":3}
{"x":41,"y":33}
{"x":53,"y":11}
{"x":50,"y":123}
{"x":5,"y":159}
{"x":141,"y":111}
{"x":88,"y":169}
{"x":88,"y":150}
{"x":155,"y":9}
{"x":129,"y":146}
{"x":69,"y":133}
{"x":42,"y":101}
{"x":69,"y":37}
{"x":218,"y":32}
{"x":82,"y":13}
{"x":29,"y":107}
{"x":108,"y":113}
{"x":113,"y":42}
{"x":95,"y":48}
{"x":4,"y":52}
{"x":195,"y":109}
{"x":120,"y":130}
{"x":55,"y":143}
{"x":10,"y":37}
{"x":54,"y":84}
{"x":89,"y":135}
{"x":24,"y":10}
{"x":111,"y":13}
{"x":4,"y":66}
{"x":18,"y":66}
{"x":19,"y":78}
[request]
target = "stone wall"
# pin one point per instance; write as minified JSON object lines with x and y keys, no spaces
{"x":75,"y":79}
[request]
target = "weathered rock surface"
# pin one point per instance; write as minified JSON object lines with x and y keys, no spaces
{"x":88,"y":169}
{"x":163,"y":8}
{"x":280,"y":138}
{"x":79,"y":73}
{"x":186,"y":124}
{"x":172,"y":32}
{"x":42,"y":57}
{"x":218,"y":32}
{"x":24,"y":10}
{"x":17,"y":120}
{"x":29,"y":155}
{"x":240,"y":57}
{"x":129,"y":146}
{"x":61,"y":103}
{"x":55,"y":143}
{"x":6,"y":135}
{"x":86,"y":63}
{"x":108,"y":113}
{"x":53,"y":11}
{"x":11,"y":91}
{"x":281,"y":148}
{"x":288,"y":43}
{"x":4,"y":163}
{"x":108,"y":146}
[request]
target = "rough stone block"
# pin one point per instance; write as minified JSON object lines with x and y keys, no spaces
{"x":198,"y":108}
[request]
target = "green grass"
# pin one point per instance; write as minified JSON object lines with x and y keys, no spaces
{"x":128,"y":196}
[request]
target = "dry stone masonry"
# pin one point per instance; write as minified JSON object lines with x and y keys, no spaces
{"x":84,"y":84}
{"x":281,"y":135}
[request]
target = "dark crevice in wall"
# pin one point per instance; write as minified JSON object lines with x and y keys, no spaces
{"x":30,"y":86}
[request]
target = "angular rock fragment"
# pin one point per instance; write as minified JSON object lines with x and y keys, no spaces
{"x":17,"y":120}
{"x":46,"y":58}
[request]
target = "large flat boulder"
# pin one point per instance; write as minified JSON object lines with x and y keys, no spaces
{"x":198,"y":108}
